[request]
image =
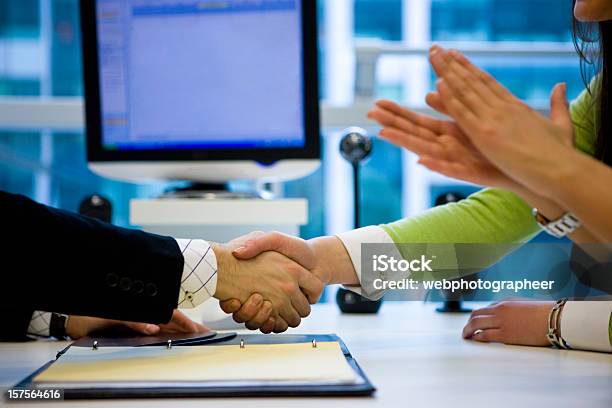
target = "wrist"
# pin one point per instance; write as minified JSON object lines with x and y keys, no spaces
{"x":546,"y":207}
{"x":333,"y":261}
{"x":226,"y":268}
{"x":322,"y":268}
{"x":559,"y":179}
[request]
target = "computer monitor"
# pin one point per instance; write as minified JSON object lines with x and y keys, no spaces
{"x":201,"y":90}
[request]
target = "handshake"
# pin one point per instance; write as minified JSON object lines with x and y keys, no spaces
{"x":268,"y":281}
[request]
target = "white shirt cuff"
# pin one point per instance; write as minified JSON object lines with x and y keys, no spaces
{"x":585,"y":325}
{"x":199,"y":279}
{"x":352,"y":241}
{"x":40,"y":324}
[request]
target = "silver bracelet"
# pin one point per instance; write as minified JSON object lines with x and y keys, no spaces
{"x":554,"y":326}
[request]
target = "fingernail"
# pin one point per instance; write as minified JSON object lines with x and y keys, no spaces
{"x":151,"y":328}
{"x":435,"y":48}
{"x":437,"y":58}
{"x":239,"y":250}
{"x":258,"y":300}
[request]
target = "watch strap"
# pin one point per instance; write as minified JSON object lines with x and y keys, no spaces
{"x":559,"y":228}
{"x":57,"y":326}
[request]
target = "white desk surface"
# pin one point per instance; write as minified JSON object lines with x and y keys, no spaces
{"x":414,"y":356}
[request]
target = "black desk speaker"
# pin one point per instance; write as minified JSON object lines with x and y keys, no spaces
{"x":355,"y":147}
{"x":98,"y":207}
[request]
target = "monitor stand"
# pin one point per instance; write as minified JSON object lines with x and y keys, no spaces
{"x":211,"y":192}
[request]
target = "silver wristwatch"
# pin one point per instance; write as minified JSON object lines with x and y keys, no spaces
{"x":559,"y":228}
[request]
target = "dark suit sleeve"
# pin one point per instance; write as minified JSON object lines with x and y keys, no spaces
{"x":57,"y":261}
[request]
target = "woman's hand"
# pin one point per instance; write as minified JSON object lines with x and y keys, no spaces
{"x":81,"y":326}
{"x":440,"y":144}
{"x":519,"y":141}
{"x":510,"y":322}
{"x":443,"y":147}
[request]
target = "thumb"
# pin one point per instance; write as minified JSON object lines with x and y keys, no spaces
{"x":435,"y":102}
{"x":240,"y":241}
{"x":144,"y":328}
{"x":559,"y":107}
{"x":230,"y":306}
{"x":253,"y":247}
{"x":292,"y":247}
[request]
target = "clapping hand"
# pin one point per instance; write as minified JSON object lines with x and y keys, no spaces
{"x":440,"y":144}
{"x":486,"y":142}
{"x":513,"y":137}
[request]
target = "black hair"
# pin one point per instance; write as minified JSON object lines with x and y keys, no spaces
{"x":593,"y":42}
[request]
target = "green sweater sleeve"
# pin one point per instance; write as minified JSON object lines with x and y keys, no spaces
{"x":488,"y":216}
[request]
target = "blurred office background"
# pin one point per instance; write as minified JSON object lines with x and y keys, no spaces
{"x":368,"y":49}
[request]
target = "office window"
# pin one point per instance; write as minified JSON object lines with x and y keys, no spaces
{"x":501,"y":20}
{"x":380,"y":19}
{"x":488,"y":21}
{"x":66,"y":52}
{"x":50,"y":166}
{"x":381,"y":185}
{"x":19,"y":19}
{"x":19,"y":161}
{"x":517,"y":21}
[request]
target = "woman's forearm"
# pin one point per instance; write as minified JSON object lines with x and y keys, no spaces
{"x":582,"y":185}
{"x":554,"y":211}
{"x":336,"y":266}
{"x":334,"y":261}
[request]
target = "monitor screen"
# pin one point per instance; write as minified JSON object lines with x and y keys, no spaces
{"x":200,"y":75}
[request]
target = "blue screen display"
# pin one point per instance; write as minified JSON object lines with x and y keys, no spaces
{"x":208,"y":74}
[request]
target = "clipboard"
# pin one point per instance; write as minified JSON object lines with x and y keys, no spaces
{"x":361,"y":387}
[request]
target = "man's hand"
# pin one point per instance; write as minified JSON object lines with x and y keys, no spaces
{"x":510,"y":322}
{"x":81,"y":326}
{"x":285,"y":284}
{"x":255,"y":313}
